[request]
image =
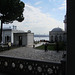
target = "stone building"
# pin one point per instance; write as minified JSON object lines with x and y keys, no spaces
{"x":17,"y":37}
{"x":56,"y":34}
{"x":59,"y":34}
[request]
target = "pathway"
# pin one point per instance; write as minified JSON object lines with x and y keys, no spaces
{"x":34,"y":54}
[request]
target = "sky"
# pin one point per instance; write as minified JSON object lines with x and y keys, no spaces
{"x":41,"y":16}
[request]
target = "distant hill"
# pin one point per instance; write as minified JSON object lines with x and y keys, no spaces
{"x":41,"y":35}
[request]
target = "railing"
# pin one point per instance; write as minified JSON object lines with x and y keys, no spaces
{"x":31,"y":67}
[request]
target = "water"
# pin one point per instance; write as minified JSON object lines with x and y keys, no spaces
{"x":41,"y":38}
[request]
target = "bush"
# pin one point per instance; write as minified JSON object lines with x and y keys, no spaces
{"x":61,"y":46}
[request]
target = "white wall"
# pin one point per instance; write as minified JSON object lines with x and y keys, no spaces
{"x":12,"y":38}
{"x":24,"y":39}
{"x":30,"y":39}
{"x":6,"y":33}
{"x":16,"y":39}
{"x":27,"y":38}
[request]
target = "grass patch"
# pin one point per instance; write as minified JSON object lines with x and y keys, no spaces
{"x":53,"y":47}
{"x":49,"y":47}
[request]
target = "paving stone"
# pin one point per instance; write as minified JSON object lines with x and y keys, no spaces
{"x":34,"y":54}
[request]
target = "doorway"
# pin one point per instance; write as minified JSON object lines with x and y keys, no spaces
{"x":20,"y":40}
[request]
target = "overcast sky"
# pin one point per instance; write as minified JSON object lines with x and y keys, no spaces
{"x":41,"y":16}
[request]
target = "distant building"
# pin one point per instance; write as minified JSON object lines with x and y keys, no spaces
{"x":17,"y":37}
{"x":56,"y":34}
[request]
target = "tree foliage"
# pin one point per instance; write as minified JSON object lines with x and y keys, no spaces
{"x":11,"y":10}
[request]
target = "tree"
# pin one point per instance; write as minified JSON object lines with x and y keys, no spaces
{"x":10,"y":10}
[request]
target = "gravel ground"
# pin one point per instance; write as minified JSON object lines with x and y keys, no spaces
{"x":34,"y":54}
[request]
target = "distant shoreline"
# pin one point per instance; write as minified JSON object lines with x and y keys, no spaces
{"x":41,"y":35}
{"x":38,"y":38}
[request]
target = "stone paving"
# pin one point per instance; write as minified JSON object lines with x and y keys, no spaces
{"x":34,"y":54}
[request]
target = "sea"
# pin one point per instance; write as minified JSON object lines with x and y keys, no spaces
{"x":41,"y":38}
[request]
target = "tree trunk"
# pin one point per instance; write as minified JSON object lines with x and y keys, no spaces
{"x":1,"y":31}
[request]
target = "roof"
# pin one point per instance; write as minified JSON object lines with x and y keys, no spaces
{"x":57,"y":30}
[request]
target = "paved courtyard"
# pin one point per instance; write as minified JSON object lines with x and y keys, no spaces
{"x":34,"y":54}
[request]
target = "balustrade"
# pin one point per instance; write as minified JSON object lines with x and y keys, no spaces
{"x":34,"y":67}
